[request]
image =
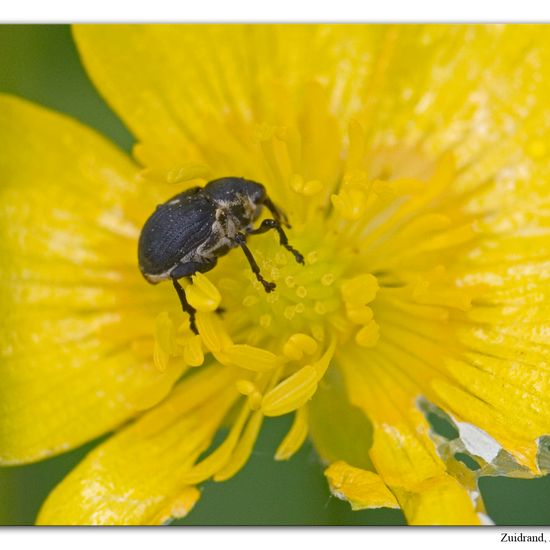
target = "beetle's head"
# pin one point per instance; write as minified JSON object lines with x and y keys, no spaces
{"x":254,"y":191}
{"x":243,"y":199}
{"x":227,"y":189}
{"x":255,"y":194}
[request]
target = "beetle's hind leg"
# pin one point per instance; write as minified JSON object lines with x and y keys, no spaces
{"x":266,"y":225}
{"x":185,"y":305}
{"x":240,"y":239}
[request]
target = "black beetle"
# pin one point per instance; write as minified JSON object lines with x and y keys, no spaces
{"x":188,"y":233}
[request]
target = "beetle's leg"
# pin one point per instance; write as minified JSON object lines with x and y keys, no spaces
{"x":240,"y":239}
{"x":279,"y":215}
{"x":266,"y":225}
{"x":185,"y":305}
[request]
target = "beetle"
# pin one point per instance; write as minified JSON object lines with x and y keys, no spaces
{"x":189,"y":232}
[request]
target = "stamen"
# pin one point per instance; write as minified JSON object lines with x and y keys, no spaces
{"x":184,"y":173}
{"x":192,"y":352}
{"x":250,"y":358}
{"x":245,"y":387}
{"x":255,"y":401}
{"x":298,"y":345}
{"x":356,"y":153}
{"x":359,"y":314}
{"x":449,"y":297}
{"x":295,"y":436}
{"x":164,"y":341}
{"x":322,"y":364}
{"x":433,"y":288}
{"x":291,"y":393}
{"x":307,"y":189}
{"x":454,"y":237}
{"x":274,"y":152}
{"x":212,"y":331}
{"x":360,"y":290}
{"x":202,"y":294}
{"x":243,"y":449}
{"x":350,"y":203}
{"x":215,"y":461}
{"x":293,"y":141}
{"x":368,"y":336}
{"x":297,"y":389}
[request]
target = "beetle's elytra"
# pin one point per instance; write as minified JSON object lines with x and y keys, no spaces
{"x":188,"y":233}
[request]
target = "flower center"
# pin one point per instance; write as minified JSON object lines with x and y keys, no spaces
{"x":306,"y":298}
{"x":375,"y":239}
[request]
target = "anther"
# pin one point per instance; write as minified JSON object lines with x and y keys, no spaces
{"x":250,"y":300}
{"x":312,"y":257}
{"x":301,"y":292}
{"x":265,"y":320}
{"x":290,"y":281}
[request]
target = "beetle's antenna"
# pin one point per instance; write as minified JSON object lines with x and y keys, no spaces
{"x":266,"y":225}
{"x":240,"y":239}
{"x":278,"y":214}
{"x":185,"y":305}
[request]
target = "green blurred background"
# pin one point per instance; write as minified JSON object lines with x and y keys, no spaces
{"x":40,"y":63}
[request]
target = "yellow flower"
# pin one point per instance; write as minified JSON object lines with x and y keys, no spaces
{"x":412,"y":163}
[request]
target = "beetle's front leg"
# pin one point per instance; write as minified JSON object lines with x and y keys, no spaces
{"x":240,"y":239}
{"x":185,"y":305}
{"x":279,"y":215}
{"x":266,"y":225}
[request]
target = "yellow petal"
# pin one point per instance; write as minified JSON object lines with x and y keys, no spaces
{"x":136,"y":476}
{"x":490,"y":402}
{"x":426,"y":87}
{"x":74,"y":308}
{"x":177,"y":508}
{"x":363,"y":489}
{"x":172,"y":106}
{"x":402,"y":452}
{"x":438,"y":501}
{"x":398,"y":81}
